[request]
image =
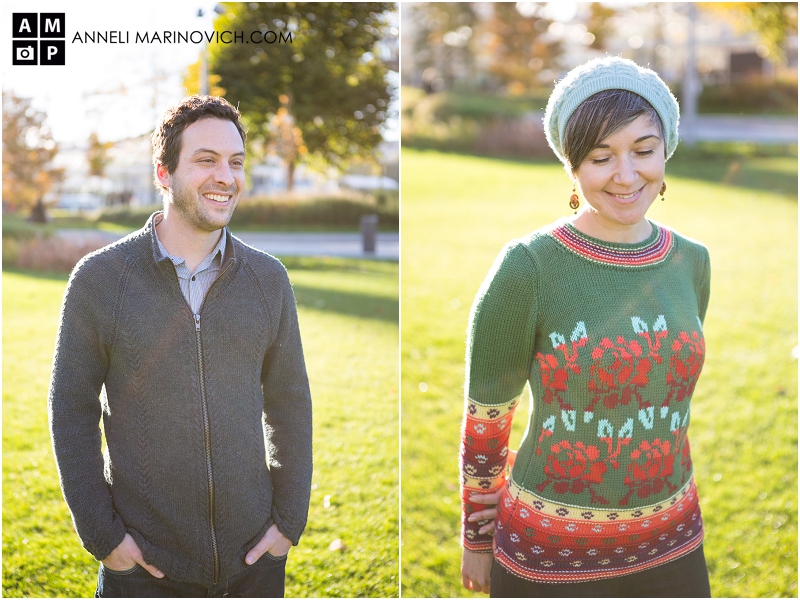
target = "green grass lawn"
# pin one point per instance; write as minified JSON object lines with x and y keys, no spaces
{"x":459,"y":211}
{"x":348,"y":313}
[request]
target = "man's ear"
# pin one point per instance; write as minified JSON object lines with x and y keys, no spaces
{"x":163,"y":175}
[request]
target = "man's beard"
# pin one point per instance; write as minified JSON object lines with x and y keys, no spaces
{"x":192,"y":207}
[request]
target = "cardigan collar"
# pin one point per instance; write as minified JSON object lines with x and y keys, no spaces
{"x":150,"y":231}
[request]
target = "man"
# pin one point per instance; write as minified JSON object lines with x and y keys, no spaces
{"x":193,"y":339}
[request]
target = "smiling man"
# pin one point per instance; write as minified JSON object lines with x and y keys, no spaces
{"x":185,"y":342}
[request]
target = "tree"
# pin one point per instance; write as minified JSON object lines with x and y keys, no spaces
{"x":443,"y":53}
{"x":286,"y":139}
{"x":97,"y":155}
{"x":191,"y":80}
{"x":773,"y":22}
{"x":600,"y":24}
{"x":28,"y":153}
{"x":517,"y":46}
{"x":330,"y":79}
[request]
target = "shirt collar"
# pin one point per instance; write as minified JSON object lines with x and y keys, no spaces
{"x":215,"y":256}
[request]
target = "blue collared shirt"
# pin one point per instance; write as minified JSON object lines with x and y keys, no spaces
{"x":195,"y":286}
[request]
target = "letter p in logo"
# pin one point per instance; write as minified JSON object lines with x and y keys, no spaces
{"x":51,"y":52}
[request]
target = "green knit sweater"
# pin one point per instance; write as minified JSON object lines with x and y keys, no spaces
{"x":609,"y":336}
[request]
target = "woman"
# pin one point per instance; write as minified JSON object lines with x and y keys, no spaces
{"x":603,"y":314}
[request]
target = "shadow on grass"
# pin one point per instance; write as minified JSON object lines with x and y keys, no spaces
{"x":742,"y":165}
{"x":515,"y":160}
{"x":380,"y":268}
{"x":353,"y":304}
{"x":49,"y":275}
{"x":330,"y":263}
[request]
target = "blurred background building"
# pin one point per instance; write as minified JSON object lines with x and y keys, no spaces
{"x":477,"y":75}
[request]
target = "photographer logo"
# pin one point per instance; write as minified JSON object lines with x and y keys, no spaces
{"x":38,"y":39}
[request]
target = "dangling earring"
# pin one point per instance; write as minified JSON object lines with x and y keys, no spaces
{"x":574,"y":201}
{"x":663,"y":189}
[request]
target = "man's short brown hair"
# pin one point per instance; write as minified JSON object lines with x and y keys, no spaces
{"x":167,"y":135}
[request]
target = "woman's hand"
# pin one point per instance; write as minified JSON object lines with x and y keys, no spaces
{"x":476,"y":570}
{"x":486,"y":514}
{"x":476,"y":567}
{"x":493,"y":498}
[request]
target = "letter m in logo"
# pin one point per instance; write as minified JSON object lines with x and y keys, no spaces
{"x":51,"y":25}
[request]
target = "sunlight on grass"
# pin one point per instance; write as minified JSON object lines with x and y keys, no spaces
{"x":459,"y":211}
{"x":351,"y":355}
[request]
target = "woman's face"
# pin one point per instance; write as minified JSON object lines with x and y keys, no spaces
{"x":622,"y":176}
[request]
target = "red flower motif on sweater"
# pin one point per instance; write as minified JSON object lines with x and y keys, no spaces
{"x":681,"y":448}
{"x":618,"y":372}
{"x":685,"y":365}
{"x":650,"y":469}
{"x":573,"y":469}
{"x":555,"y":376}
{"x":612,"y":456}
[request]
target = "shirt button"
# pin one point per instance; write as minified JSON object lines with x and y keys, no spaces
{"x":192,"y":277}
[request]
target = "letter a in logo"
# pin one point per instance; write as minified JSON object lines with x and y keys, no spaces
{"x":26,"y":25}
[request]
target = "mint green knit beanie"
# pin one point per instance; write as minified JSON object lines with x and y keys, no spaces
{"x":608,"y":73}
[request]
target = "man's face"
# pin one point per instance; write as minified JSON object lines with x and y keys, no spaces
{"x":208,"y":181}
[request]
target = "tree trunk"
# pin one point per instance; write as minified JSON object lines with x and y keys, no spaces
{"x":38,"y":212}
{"x":290,"y":175}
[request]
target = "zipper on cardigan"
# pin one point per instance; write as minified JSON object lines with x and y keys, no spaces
{"x":207,"y":431}
{"x":206,"y":422}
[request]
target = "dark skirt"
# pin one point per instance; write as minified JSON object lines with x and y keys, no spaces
{"x":686,"y":577}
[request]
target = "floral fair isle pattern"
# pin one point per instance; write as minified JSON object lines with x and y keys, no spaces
{"x":609,"y":338}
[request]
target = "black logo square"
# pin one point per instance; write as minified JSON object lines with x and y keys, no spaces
{"x":38,"y":38}
{"x":24,"y":52}
{"x":51,"y":25}
{"x":51,"y":52}
{"x":26,"y":25}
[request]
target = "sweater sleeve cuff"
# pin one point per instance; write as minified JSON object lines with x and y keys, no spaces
{"x":290,"y":527}
{"x":474,"y":541}
{"x":482,"y":549}
{"x":101,"y":546}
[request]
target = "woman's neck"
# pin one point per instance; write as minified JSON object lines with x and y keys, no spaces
{"x":592,"y":224}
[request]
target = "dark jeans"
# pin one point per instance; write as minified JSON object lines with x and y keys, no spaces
{"x":261,"y":580}
{"x":686,"y":577}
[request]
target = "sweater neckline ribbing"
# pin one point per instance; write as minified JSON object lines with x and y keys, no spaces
{"x":653,"y":250}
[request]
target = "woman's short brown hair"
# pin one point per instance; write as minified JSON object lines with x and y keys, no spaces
{"x":601,"y":116}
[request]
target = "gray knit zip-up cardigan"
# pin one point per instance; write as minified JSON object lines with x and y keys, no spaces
{"x":191,"y":403}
